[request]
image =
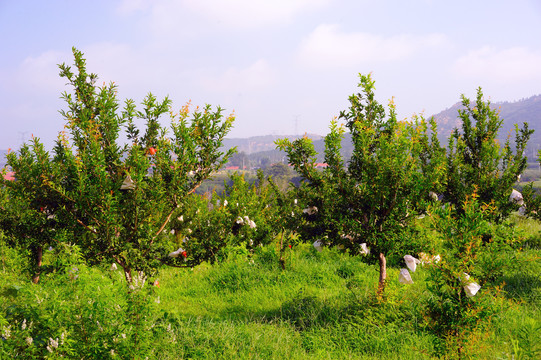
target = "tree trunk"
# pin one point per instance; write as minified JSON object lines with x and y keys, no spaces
{"x":127,"y":274}
{"x":281,"y":260}
{"x":382,"y":274}
{"x":38,"y":256}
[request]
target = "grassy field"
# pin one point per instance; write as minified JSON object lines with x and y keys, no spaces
{"x":323,"y":306}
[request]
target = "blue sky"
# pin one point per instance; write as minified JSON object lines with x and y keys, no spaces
{"x":283,"y":66}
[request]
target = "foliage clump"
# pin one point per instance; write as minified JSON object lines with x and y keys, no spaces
{"x":373,"y":197}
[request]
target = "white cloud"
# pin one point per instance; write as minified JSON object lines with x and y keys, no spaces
{"x":513,"y":65}
{"x":130,"y":6}
{"x":40,"y":73}
{"x":330,"y":47}
{"x":257,"y":76}
{"x":111,"y":61}
{"x":173,"y":15}
{"x":136,"y":70}
{"x":253,"y":13}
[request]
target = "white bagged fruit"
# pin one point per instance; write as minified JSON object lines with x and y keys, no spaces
{"x":404,"y":277}
{"x":411,"y":262}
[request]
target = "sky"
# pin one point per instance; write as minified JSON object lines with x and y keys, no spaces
{"x":283,"y":66}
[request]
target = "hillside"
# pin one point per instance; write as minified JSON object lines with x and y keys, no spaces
{"x":517,"y":112}
{"x":525,"y":110}
{"x":261,"y":150}
{"x":256,"y":144}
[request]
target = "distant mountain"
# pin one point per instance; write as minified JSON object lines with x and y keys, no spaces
{"x":256,"y":144}
{"x":517,"y":112}
{"x":262,"y":149}
{"x":3,"y":154}
{"x":525,"y":110}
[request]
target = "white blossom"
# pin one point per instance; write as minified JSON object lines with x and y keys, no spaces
{"x":6,"y":332}
{"x":427,"y":259}
{"x":113,"y":267}
{"x":138,"y":281}
{"x":29,"y":340}
{"x":53,"y":344}
{"x":252,"y":224}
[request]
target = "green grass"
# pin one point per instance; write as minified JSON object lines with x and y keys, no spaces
{"x":323,"y":306}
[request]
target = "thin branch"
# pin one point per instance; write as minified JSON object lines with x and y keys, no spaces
{"x":164,"y":224}
{"x":86,"y":227}
{"x":74,"y":202}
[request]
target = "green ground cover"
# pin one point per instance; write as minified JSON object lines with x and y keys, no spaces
{"x":323,"y":306}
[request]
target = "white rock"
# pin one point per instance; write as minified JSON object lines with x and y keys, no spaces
{"x":318,"y":245}
{"x":404,"y":277}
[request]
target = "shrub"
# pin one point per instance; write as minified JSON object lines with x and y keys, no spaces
{"x":385,"y":184}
